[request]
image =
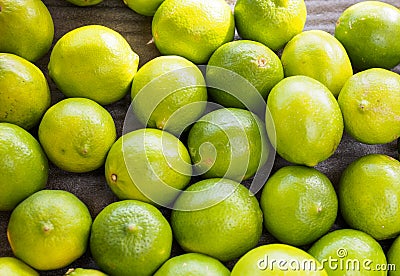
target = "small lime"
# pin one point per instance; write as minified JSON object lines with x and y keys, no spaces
{"x":10,"y":266}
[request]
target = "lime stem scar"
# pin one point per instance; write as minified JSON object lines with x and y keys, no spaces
{"x":114,"y":178}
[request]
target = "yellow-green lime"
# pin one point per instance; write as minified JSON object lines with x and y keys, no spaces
{"x":193,"y":29}
{"x":84,"y":3}
{"x":76,"y":134}
{"x":369,"y":192}
{"x":93,"y":62}
{"x":84,"y":272}
{"x":144,"y":7}
{"x":370,"y":103}
{"x":299,"y":205}
{"x":307,"y":119}
{"x":278,"y":260}
{"x":169,"y":93}
{"x":253,"y":61}
{"x":229,"y":143}
{"x":271,"y":22}
{"x":10,"y":266}
{"x":50,"y":229}
{"x":26,"y":28}
{"x":148,"y":165}
{"x":370,"y":31}
{"x":24,"y":92}
{"x":130,"y":237}
{"x":349,"y":252}
{"x":319,"y":55}
{"x":217,"y":217}
{"x":192,"y":264}
{"x":393,"y":257}
{"x":23,"y":166}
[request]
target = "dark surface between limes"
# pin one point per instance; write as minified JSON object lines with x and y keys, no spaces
{"x":91,"y":187}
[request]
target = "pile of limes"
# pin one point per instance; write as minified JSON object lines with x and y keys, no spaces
{"x":191,"y":166}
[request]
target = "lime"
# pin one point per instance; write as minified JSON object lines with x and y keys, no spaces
{"x":169,"y":93}
{"x":228,"y":142}
{"x":369,"y":192}
{"x":349,"y":252}
{"x":148,"y":165}
{"x":277,"y":260}
{"x":50,"y":229}
{"x":217,"y":217}
{"x":130,"y":237}
{"x":271,"y":22}
{"x":255,"y":62}
{"x":144,"y":7}
{"x":393,"y":257}
{"x":76,"y":134}
{"x":370,"y":32}
{"x":23,"y":166}
{"x":10,"y":266}
{"x":370,"y":103}
{"x":26,"y":28}
{"x":299,"y":205}
{"x":93,"y":62}
{"x":307,"y":118}
{"x":193,"y":29}
{"x":84,"y":272}
{"x":192,"y":264}
{"x":84,"y":3}
{"x":24,"y":92}
{"x":319,"y":55}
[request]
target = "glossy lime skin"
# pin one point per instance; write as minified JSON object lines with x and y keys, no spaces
{"x":370,"y":32}
{"x":393,"y":257}
{"x":307,"y":119}
{"x":192,"y":264}
{"x":299,"y":205}
{"x":268,"y":259}
{"x":11,"y":266}
{"x":370,"y":103}
{"x":353,"y":253}
{"x":369,"y":192}
{"x":319,"y":55}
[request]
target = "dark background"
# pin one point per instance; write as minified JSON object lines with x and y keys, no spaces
{"x":91,"y":187}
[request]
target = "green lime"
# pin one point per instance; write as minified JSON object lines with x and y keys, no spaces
{"x":277,"y":260}
{"x":369,"y":192}
{"x":148,"y":165}
{"x":76,"y":134}
{"x":307,"y":120}
{"x":370,"y":103}
{"x":192,"y":264}
{"x":84,"y":272}
{"x":26,"y":28}
{"x":271,"y":22}
{"x":393,"y":257}
{"x":84,"y":3}
{"x":24,"y":92}
{"x":23,"y":166}
{"x":193,"y":29}
{"x":349,"y":252}
{"x":258,"y":64}
{"x":93,"y":62}
{"x":144,"y":7}
{"x":229,"y":143}
{"x":169,"y":93}
{"x":319,"y":55}
{"x":130,"y":237}
{"x":370,"y":32}
{"x":50,"y":229}
{"x":299,"y":205}
{"x":10,"y":266}
{"x":217,"y":217}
